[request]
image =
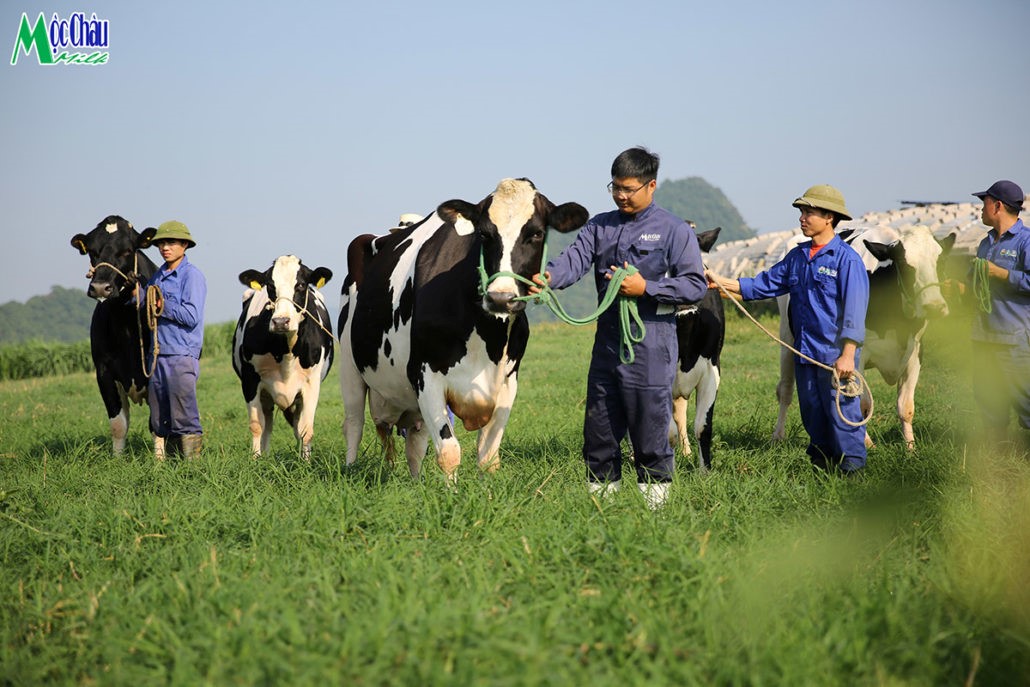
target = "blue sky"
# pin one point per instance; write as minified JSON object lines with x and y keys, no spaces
{"x":274,"y":128}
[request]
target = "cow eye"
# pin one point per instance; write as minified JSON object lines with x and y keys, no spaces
{"x":535,"y":235}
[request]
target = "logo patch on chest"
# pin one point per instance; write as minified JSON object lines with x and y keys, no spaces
{"x":1008,"y":253}
{"x":828,"y":271}
{"x":650,"y":237}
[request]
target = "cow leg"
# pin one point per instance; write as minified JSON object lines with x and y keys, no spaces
{"x":707,"y":391}
{"x":488,"y":442}
{"x":260,"y":413}
{"x":678,"y":425}
{"x":302,"y":419}
{"x":785,"y":387}
{"x":354,"y":391}
{"x":415,"y":444}
{"x":907,"y":394}
{"x":117,"y":406}
{"x":120,"y":428}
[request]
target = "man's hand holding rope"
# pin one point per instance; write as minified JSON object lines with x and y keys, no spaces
{"x":633,"y":285}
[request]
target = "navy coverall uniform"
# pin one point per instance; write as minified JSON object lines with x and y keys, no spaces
{"x":636,"y":397}
{"x":1003,"y":334}
{"x":829,"y":294}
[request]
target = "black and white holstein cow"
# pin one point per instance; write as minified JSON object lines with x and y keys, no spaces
{"x":700,"y":330}
{"x":117,"y":266}
{"x":904,"y":294}
{"x":282,"y":348}
{"x":418,"y":333}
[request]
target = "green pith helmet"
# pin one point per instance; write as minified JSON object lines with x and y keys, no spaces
{"x":174,"y":230}
{"x":824,"y":197}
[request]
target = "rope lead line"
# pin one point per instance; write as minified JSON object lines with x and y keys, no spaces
{"x":631,"y":326}
{"x":854,"y":386}
{"x":981,"y":288}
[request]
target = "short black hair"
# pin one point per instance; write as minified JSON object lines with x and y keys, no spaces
{"x":636,"y":163}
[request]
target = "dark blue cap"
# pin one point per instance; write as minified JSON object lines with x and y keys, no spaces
{"x":1006,"y":191}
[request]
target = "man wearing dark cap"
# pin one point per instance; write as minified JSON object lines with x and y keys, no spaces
{"x":829,"y":294}
{"x":172,"y":393}
{"x":1002,"y":329}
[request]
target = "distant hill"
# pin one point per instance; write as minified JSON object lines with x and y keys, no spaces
{"x":61,"y":315}
{"x":695,"y":199}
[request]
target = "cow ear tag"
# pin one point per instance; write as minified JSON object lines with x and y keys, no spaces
{"x":462,"y":226}
{"x":320,"y":284}
{"x":256,"y":285}
{"x":82,"y":247}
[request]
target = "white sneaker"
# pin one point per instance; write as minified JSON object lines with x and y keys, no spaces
{"x":655,"y":493}
{"x":603,"y":489}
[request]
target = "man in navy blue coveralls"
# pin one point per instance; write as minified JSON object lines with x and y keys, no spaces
{"x":636,"y":397}
{"x":829,"y":293}
{"x":1003,"y":334}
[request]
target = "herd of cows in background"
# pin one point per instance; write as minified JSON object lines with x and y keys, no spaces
{"x":423,"y":343}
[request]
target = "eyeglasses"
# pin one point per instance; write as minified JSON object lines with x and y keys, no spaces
{"x":622,"y":190}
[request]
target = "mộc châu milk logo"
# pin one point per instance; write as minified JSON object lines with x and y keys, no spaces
{"x":51,"y":40}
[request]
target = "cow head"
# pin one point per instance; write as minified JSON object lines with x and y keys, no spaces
{"x":917,"y":256}
{"x":288,"y":281}
{"x":511,"y":227}
{"x":112,"y":247}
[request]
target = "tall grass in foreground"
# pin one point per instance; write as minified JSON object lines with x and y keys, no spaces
{"x":120,"y":571}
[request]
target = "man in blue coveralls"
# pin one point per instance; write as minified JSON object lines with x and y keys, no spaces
{"x":1003,"y":334}
{"x":633,"y":397}
{"x":829,"y":293}
{"x":172,"y":393}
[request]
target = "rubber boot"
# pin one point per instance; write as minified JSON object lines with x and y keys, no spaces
{"x":192,"y":444}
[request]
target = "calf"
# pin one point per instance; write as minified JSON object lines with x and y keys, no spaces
{"x":429,"y":320}
{"x":282,"y":348}
{"x":118,"y":268}
{"x":700,"y":330}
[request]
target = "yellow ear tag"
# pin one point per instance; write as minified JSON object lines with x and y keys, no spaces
{"x":256,"y":285}
{"x":320,"y":284}
{"x":82,"y":247}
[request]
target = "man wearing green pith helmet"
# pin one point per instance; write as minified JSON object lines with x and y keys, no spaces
{"x":829,"y":294}
{"x":172,"y":393}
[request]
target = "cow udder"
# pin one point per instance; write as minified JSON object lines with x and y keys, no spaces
{"x":474,"y":413}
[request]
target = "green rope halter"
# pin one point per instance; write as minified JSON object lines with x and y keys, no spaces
{"x":631,"y":327}
{"x":981,"y":289}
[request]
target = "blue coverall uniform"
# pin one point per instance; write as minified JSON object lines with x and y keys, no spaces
{"x":1003,"y":335}
{"x":634,"y":397}
{"x":829,"y":295}
{"x":172,"y":393}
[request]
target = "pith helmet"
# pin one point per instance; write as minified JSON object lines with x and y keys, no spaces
{"x":406,"y":220}
{"x":174,"y":230}
{"x":824,"y":197}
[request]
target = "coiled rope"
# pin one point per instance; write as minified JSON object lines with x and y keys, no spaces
{"x":631,"y":326}
{"x":981,"y":287}
{"x":850,"y":388}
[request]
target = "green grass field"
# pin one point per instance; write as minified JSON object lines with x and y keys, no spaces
{"x":230,"y":570}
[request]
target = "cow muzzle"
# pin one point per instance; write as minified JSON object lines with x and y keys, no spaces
{"x":281,"y":325}
{"x":504,"y":302}
{"x":100,"y":290}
